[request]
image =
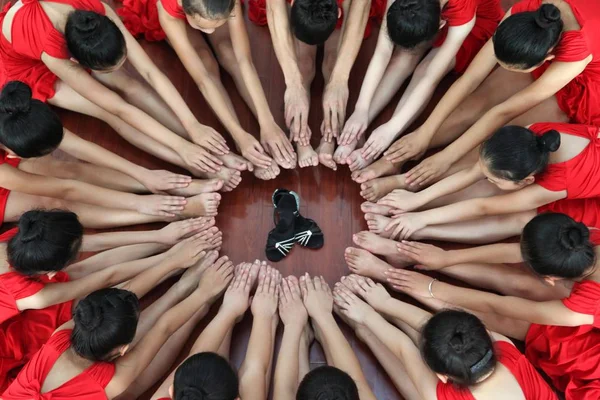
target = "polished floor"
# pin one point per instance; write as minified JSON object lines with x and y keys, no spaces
{"x":246,"y":215}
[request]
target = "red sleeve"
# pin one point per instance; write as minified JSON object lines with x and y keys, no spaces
{"x":526,"y":5}
{"x":459,"y":12}
{"x":449,"y":391}
{"x":173,"y":8}
{"x":585,"y":299}
{"x":553,"y":178}
{"x":573,"y":47}
{"x":14,"y":286}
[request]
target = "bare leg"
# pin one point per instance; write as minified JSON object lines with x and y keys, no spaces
{"x":381,"y":246}
{"x":69,"y":99}
{"x":225,"y":346}
{"x":304,"y":352}
{"x":90,"y":216}
{"x":381,"y":167}
{"x":363,"y":263}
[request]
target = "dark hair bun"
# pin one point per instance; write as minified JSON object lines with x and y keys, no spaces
{"x":31,"y":226}
{"x":15,"y":98}
{"x":85,"y":21}
{"x":547,"y":15}
{"x":457,"y":341}
{"x":192,"y":393}
{"x":549,"y":141}
{"x":574,"y":236}
{"x":88,"y":315}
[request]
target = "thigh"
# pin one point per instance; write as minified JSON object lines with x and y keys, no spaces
{"x":546,"y":111}
{"x":19,"y":203}
{"x":119,"y":80}
{"x":330,"y":53}
{"x":66,"y":97}
{"x":49,"y":166}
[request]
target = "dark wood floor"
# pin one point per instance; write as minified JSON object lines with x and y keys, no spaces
{"x":245,"y":215}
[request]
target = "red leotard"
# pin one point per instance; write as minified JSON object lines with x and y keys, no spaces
{"x":32,"y":35}
{"x":570,"y":356}
{"x":580,"y":98}
{"x":532,"y":384}
{"x":4,"y":193}
{"x":89,"y":385}
{"x":24,"y":333}
{"x":487,"y":14}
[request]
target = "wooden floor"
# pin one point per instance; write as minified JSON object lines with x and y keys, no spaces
{"x":246,"y":214}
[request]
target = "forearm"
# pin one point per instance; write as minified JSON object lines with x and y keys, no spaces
{"x":260,"y":347}
{"x":283,"y":41}
{"x":462,"y":211}
{"x":408,"y":317}
{"x":151,"y":277}
{"x":393,"y":338}
{"x":82,"y":192}
{"x":286,"y":372}
{"x":252,"y":82}
{"x":110,"y":240}
{"x":212,"y":336}
{"x":500,"y":253}
{"x":375,"y":71}
{"x":452,"y":184}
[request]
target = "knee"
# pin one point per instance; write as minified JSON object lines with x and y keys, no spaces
{"x":328,"y":64}
{"x":50,"y":203}
{"x":211,"y":65}
{"x":307,"y":70}
{"x":226,"y":56}
{"x":421,"y":70}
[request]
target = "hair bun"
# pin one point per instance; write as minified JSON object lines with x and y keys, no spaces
{"x":88,"y":316}
{"x":549,"y":141}
{"x":85,"y":21}
{"x":575,"y":236}
{"x":191,"y":393}
{"x":547,"y":15}
{"x":457,"y":341}
{"x":331,"y":392}
{"x":15,"y":98}
{"x":30,"y":227}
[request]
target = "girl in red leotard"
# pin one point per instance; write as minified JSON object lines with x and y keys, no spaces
{"x":411,"y":30}
{"x":458,"y":358}
{"x":53,"y":46}
{"x":541,"y":165}
{"x":549,"y":52}
{"x":557,"y":317}
{"x":104,"y":193}
{"x":86,"y":357}
{"x":183,"y":24}
{"x":38,"y":286}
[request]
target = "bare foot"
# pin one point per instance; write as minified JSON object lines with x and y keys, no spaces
{"x":360,"y":330}
{"x":375,"y":189}
{"x":381,"y":246}
{"x":307,"y":157}
{"x":267,"y":174}
{"x":198,"y":186}
{"x":343,"y":152}
{"x":230,"y":177}
{"x":195,"y":273}
{"x":377,"y":224}
{"x":356,"y":161}
{"x":205,"y":204}
{"x":238,"y":163}
{"x":352,"y":309}
{"x":374,"y":208}
{"x":381,"y":167}
{"x":325,"y":151}
{"x":291,"y":307}
{"x":363,"y":263}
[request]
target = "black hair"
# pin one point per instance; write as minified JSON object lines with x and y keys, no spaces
{"x":554,"y":244}
{"x":456,"y":344}
{"x":46,"y":241}
{"x":412,"y":22}
{"x":94,"y":40}
{"x":205,"y":376}
{"x":525,"y":39}
{"x":104,"y":320}
{"x":514,"y":152}
{"x":209,"y":9}
{"x":327,"y":383}
{"x":313,"y":21}
{"x":28,"y":127}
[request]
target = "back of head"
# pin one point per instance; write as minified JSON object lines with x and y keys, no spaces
{"x":94,"y":40}
{"x":456,"y":344}
{"x":554,"y":244}
{"x":327,"y":383}
{"x":104,"y":320}
{"x":524,"y":40}
{"x":46,"y":241}
{"x":212,"y":10}
{"x":205,"y":376}
{"x":313,"y":21}
{"x":412,"y":22}
{"x":28,"y":127}
{"x":514,"y":152}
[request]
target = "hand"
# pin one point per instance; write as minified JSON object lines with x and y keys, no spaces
{"x":189,"y":251}
{"x":378,"y":142}
{"x":316,"y":295}
{"x":162,"y":206}
{"x":297,"y":107}
{"x":161,"y":181}
{"x":355,"y":127}
{"x":216,"y":277}
{"x":408,"y":147}
{"x":404,"y":225}
{"x":195,"y":156}
{"x":237,"y":296}
{"x":277,"y":144}
{"x":402,"y":200}
{"x":373,"y":293}
{"x":428,"y":170}
{"x":335,"y":100}
{"x":265,"y":299}
{"x":253,"y":152}
{"x":209,"y":138}
{"x":350,"y":305}
{"x":291,"y":307}
{"x":430,"y":257}
{"x":412,"y":283}
{"x":175,"y":231}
